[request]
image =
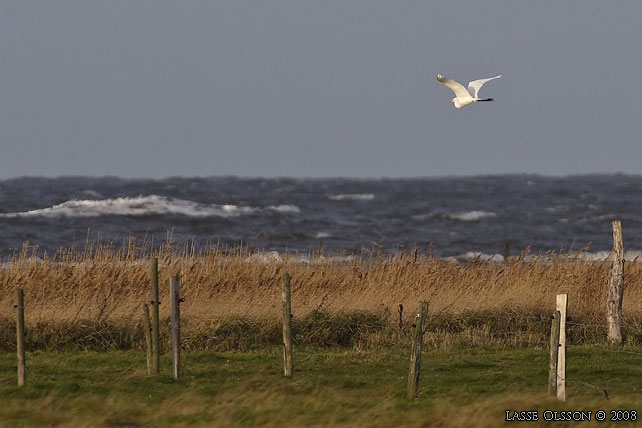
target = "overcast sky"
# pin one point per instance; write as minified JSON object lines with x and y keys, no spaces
{"x":318,"y":88}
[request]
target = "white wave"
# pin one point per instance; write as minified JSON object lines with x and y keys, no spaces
{"x":265,"y":258}
{"x":602,"y":256}
{"x":274,"y":257}
{"x":90,"y":193}
{"x":228,"y":210}
{"x":321,"y":235}
{"x":470,"y":215}
{"x":475,"y":255}
{"x":352,"y":196}
{"x":606,"y":217}
{"x":144,"y":205}
{"x":631,"y":256}
{"x":284,"y":208}
{"x":324,"y":260}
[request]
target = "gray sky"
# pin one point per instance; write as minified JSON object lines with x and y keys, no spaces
{"x":318,"y":88}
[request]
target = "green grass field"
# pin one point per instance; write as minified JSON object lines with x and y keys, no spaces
{"x":330,"y":387}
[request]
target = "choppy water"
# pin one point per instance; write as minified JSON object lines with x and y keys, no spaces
{"x":457,"y":215}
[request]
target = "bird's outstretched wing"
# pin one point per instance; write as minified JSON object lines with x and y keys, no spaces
{"x":456,"y":87}
{"x":475,"y":85}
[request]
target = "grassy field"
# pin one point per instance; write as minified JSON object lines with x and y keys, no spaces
{"x":485,"y":343}
{"x":330,"y":387}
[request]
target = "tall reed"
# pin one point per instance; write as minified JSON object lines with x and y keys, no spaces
{"x":103,"y":284}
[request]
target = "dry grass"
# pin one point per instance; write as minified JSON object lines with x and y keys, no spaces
{"x":104,"y":285}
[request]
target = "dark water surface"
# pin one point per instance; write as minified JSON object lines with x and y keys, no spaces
{"x":456,"y":214}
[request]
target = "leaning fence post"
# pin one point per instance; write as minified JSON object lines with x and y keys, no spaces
{"x":155,"y":320}
{"x":615,"y":288}
{"x":555,"y":345}
{"x":562,"y":304}
{"x":175,"y":301}
{"x":287,"y":325}
{"x":20,"y":330}
{"x":415,"y":355}
{"x":148,"y":337}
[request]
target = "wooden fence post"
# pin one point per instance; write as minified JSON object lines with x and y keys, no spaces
{"x":148,"y":337}
{"x":415,"y":355}
{"x":287,"y":325}
{"x":155,"y":319}
{"x":555,"y":345}
{"x":562,"y":305}
{"x":175,"y":301}
{"x":615,"y":288}
{"x":20,"y":330}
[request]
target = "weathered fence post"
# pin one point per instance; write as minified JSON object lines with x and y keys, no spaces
{"x":615,"y":288}
{"x":148,"y":337}
{"x":20,"y":330}
{"x":415,"y":356}
{"x":555,"y":345}
{"x":175,"y":298}
{"x":155,"y":320}
{"x":562,"y":305}
{"x":287,"y":325}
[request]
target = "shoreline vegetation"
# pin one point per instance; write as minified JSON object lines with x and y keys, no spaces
{"x":92,"y":299}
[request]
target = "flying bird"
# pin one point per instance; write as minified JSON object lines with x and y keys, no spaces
{"x":466,"y":96}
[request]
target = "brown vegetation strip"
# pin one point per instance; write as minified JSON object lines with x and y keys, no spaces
{"x":105,"y":284}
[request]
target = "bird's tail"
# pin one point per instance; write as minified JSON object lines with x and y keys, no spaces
{"x":487,"y":99}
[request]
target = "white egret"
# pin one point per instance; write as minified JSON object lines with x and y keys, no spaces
{"x":466,"y":96}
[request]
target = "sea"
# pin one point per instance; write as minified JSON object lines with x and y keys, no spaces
{"x":486,"y":217}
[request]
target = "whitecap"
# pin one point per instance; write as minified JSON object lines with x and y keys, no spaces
{"x":320,"y":235}
{"x":144,"y":206}
{"x":91,"y":193}
{"x":285,"y":208}
{"x":469,"y":215}
{"x":475,"y":255}
{"x":325,"y":260}
{"x":606,"y":217}
{"x":265,"y":258}
{"x":235,"y":210}
{"x":581,"y":256}
{"x":352,"y":196}
{"x":603,"y":256}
